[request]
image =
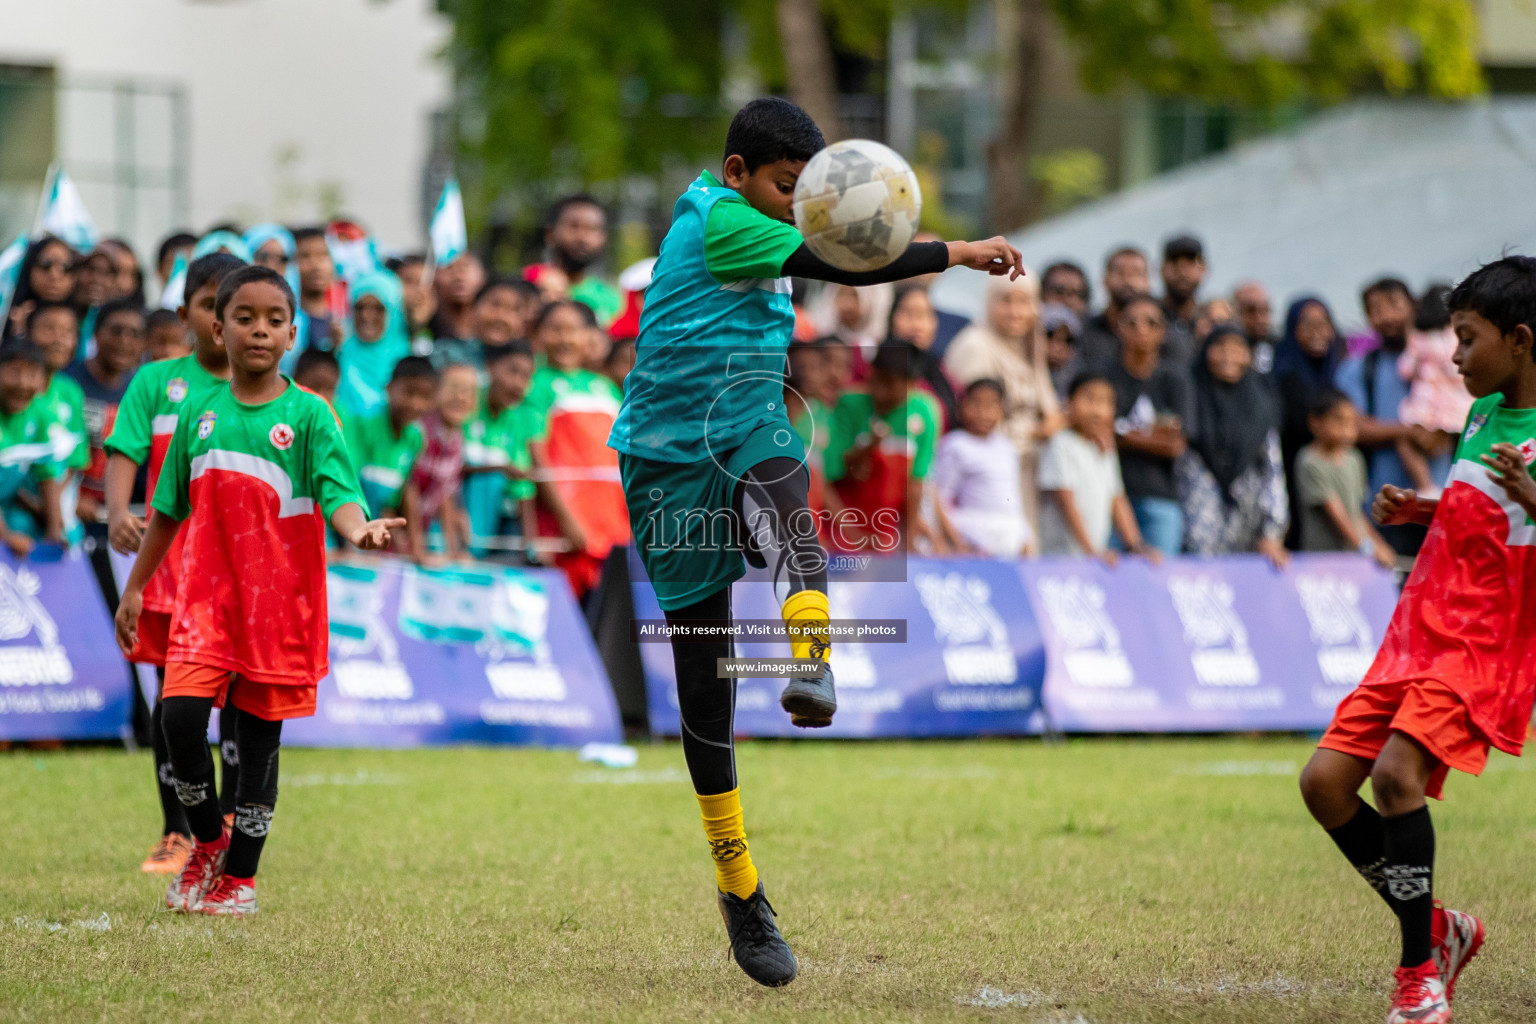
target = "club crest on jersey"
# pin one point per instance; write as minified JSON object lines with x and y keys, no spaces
{"x":176,"y":390}
{"x":1475,"y":425}
{"x":205,"y":424}
{"x":1527,"y":449}
{"x":281,"y":436}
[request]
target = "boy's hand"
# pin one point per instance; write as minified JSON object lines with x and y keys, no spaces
{"x":125,"y":531}
{"x":1507,"y":468}
{"x":1110,"y":557}
{"x":126,"y":622}
{"x":19,"y":543}
{"x":995,"y":256}
{"x":1150,"y":553}
{"x":1395,"y":505}
{"x":374,"y":534}
{"x":1274,"y":551}
{"x":1384,"y":555}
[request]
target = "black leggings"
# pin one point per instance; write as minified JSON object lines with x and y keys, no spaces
{"x":185,"y":720}
{"x":780,"y":532}
{"x":174,"y":815}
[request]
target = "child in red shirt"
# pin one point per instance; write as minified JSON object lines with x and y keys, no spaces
{"x":1456,"y":672}
{"x":255,"y":470}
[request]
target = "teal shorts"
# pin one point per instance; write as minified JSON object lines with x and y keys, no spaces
{"x":682,"y":517}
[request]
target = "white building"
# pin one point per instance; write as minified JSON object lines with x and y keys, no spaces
{"x":182,"y":113}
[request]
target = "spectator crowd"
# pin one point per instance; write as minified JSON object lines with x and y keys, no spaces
{"x":478,"y":406}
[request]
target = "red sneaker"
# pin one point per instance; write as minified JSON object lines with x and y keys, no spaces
{"x":1458,"y":938}
{"x":1420,"y":996}
{"x":202,"y":872}
{"x":234,"y":897}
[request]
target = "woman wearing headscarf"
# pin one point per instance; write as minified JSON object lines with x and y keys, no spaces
{"x":856,"y":315}
{"x":1306,"y":361}
{"x":1230,"y":480}
{"x":377,"y":339}
{"x":1009,"y":346}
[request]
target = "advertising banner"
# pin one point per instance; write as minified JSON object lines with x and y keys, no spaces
{"x":61,"y":676}
{"x":1205,"y":644}
{"x":971,"y":663}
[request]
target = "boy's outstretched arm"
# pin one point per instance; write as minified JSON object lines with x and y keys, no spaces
{"x":368,"y":534}
{"x":995,"y":256}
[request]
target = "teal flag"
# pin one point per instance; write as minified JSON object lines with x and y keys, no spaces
{"x":450,"y":238}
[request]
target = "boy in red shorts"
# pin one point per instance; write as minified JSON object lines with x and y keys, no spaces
{"x":146,"y":419}
{"x":255,"y":470}
{"x":1456,"y":672}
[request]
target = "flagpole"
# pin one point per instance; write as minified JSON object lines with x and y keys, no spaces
{"x":42,"y":203}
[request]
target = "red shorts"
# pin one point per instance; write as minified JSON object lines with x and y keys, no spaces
{"x":154,"y":638}
{"x":1424,"y":709}
{"x":271,"y":701}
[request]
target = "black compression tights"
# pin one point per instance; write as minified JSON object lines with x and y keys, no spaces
{"x":771,"y":501}
{"x":185,"y":720}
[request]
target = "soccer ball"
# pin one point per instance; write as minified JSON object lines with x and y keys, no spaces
{"x":857,"y":204}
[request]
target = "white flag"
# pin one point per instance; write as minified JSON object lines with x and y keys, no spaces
{"x":175,"y":292}
{"x":353,"y":257}
{"x":10,"y":272}
{"x":63,"y":213}
{"x":450,"y":238}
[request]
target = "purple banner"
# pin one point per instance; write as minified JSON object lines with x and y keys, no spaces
{"x":61,"y":676}
{"x":971,"y":665}
{"x":1205,"y":645}
{"x":422,"y":657}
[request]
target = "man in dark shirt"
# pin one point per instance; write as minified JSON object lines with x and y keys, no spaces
{"x":1066,"y":284}
{"x":1183,"y":270}
{"x":1152,"y":402}
{"x":1125,"y":276}
{"x":1255,"y":314}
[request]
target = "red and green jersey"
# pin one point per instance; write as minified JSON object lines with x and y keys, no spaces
{"x":255,"y":486}
{"x":146,"y":420}
{"x":572,"y":413}
{"x":1467,"y":617}
{"x":907,"y":435}
{"x":384,"y":459}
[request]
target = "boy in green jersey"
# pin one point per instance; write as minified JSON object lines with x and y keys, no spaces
{"x":146,"y":421}
{"x":54,"y":327}
{"x":703,"y":435}
{"x":27,"y":461}
{"x":496,"y":460}
{"x":384,"y":446}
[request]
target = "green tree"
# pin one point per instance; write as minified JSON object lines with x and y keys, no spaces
{"x":1257,"y":53}
{"x":560,"y":94}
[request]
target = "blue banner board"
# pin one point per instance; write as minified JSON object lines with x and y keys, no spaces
{"x":1205,"y":644}
{"x":61,"y":676}
{"x":971,"y":664}
{"x":1194,"y":645}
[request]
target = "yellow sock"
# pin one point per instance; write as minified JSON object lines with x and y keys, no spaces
{"x":806,"y":611}
{"x":734,"y":871}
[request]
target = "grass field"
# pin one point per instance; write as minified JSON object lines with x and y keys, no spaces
{"x":1102,"y":881}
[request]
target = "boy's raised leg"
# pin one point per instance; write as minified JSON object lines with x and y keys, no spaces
{"x":707,"y":711}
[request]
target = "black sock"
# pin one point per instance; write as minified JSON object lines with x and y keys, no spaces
{"x":229,"y":757}
{"x":256,"y":797}
{"x":1363,"y":844}
{"x":173,"y":815}
{"x":1410,"y":851}
{"x":185,"y":723}
{"x":706,"y":703}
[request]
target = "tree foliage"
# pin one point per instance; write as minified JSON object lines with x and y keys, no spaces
{"x":1263,"y":53}
{"x":579,"y":92}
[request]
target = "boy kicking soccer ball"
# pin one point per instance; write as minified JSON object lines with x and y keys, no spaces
{"x":255,"y":470}
{"x":702,"y":436}
{"x":1456,"y":672}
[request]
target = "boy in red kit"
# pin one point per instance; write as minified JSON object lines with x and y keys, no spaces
{"x":255,"y":470}
{"x":146,"y":419}
{"x":1456,"y":672}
